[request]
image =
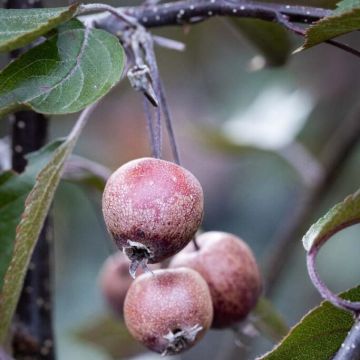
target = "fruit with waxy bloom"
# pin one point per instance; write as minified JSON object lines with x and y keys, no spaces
{"x":115,"y":280}
{"x":168,"y":311}
{"x":228,"y":266}
{"x":152,"y":208}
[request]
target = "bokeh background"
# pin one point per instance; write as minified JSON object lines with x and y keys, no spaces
{"x":253,"y":139}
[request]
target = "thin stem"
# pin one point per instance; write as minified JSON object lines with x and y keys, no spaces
{"x":350,"y":348}
{"x":118,"y":13}
{"x":151,"y":60}
{"x":324,"y":291}
{"x":196,"y":245}
{"x":193,"y":11}
{"x":150,"y":126}
{"x":168,"y":123}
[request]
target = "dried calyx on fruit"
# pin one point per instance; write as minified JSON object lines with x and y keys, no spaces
{"x":152,"y":208}
{"x":228,"y":266}
{"x":168,"y":311}
{"x":115,"y":280}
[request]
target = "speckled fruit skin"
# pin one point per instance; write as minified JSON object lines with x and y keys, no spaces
{"x":154,"y":202}
{"x":115,"y":280}
{"x":230,"y":269}
{"x":169,"y":300}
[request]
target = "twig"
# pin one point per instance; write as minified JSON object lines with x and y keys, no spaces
{"x":194,"y":11}
{"x":335,"y":154}
{"x":168,"y":123}
{"x":350,"y":348}
{"x":150,"y":125}
{"x":118,"y":13}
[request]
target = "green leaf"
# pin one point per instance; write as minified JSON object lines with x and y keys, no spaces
{"x":340,"y":216}
{"x":111,"y":335}
{"x":345,"y":19}
{"x":318,"y":335}
{"x":346,"y":5}
{"x":20,"y":27}
{"x":69,"y":71}
{"x":268,"y":321}
{"x":269,"y":38}
{"x":13,"y":191}
{"x":51,"y":161}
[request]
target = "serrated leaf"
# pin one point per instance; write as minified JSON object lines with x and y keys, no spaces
{"x":67,"y":72}
{"x":51,"y":161}
{"x":340,"y":216}
{"x":20,"y":27}
{"x":318,"y":335}
{"x":269,"y":38}
{"x":345,"y":19}
{"x":13,"y":191}
{"x":111,"y":335}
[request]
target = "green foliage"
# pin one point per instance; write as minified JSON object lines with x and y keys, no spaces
{"x":13,"y":191}
{"x":69,"y":71}
{"x":318,"y":335}
{"x":20,"y":27}
{"x":345,"y":19}
{"x":340,"y":216}
{"x":51,"y":161}
{"x":269,"y":38}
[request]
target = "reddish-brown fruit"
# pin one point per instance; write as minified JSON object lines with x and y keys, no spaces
{"x":169,"y":311}
{"x":152,"y":208}
{"x":230,"y":269}
{"x":115,"y":280}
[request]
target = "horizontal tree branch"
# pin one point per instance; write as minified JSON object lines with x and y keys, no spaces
{"x":194,"y":11}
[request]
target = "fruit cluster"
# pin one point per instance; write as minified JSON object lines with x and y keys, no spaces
{"x":153,"y":209}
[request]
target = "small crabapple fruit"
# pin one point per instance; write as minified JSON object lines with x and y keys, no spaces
{"x":115,"y":280}
{"x":152,"y":208}
{"x":228,"y":266}
{"x":168,"y":311}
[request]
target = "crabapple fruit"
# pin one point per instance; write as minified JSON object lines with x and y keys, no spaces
{"x":115,"y":280}
{"x":152,"y":208}
{"x":168,"y":311}
{"x":228,"y":266}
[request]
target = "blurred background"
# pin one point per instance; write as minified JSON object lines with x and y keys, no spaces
{"x":253,"y":136}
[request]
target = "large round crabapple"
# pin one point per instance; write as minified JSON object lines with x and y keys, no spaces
{"x":115,"y":280}
{"x":152,"y":208}
{"x":229,"y":268}
{"x":168,"y":311}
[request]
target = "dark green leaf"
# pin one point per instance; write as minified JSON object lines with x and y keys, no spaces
{"x":111,"y":335}
{"x":340,"y":216}
{"x":13,"y":192}
{"x":20,"y":27}
{"x":269,"y":38}
{"x":69,"y":71}
{"x":268,"y":321}
{"x":345,"y":19}
{"x":318,"y":335}
{"x":51,"y":161}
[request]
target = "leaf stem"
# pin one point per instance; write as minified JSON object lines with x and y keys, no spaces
{"x":350,"y":348}
{"x":324,"y":291}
